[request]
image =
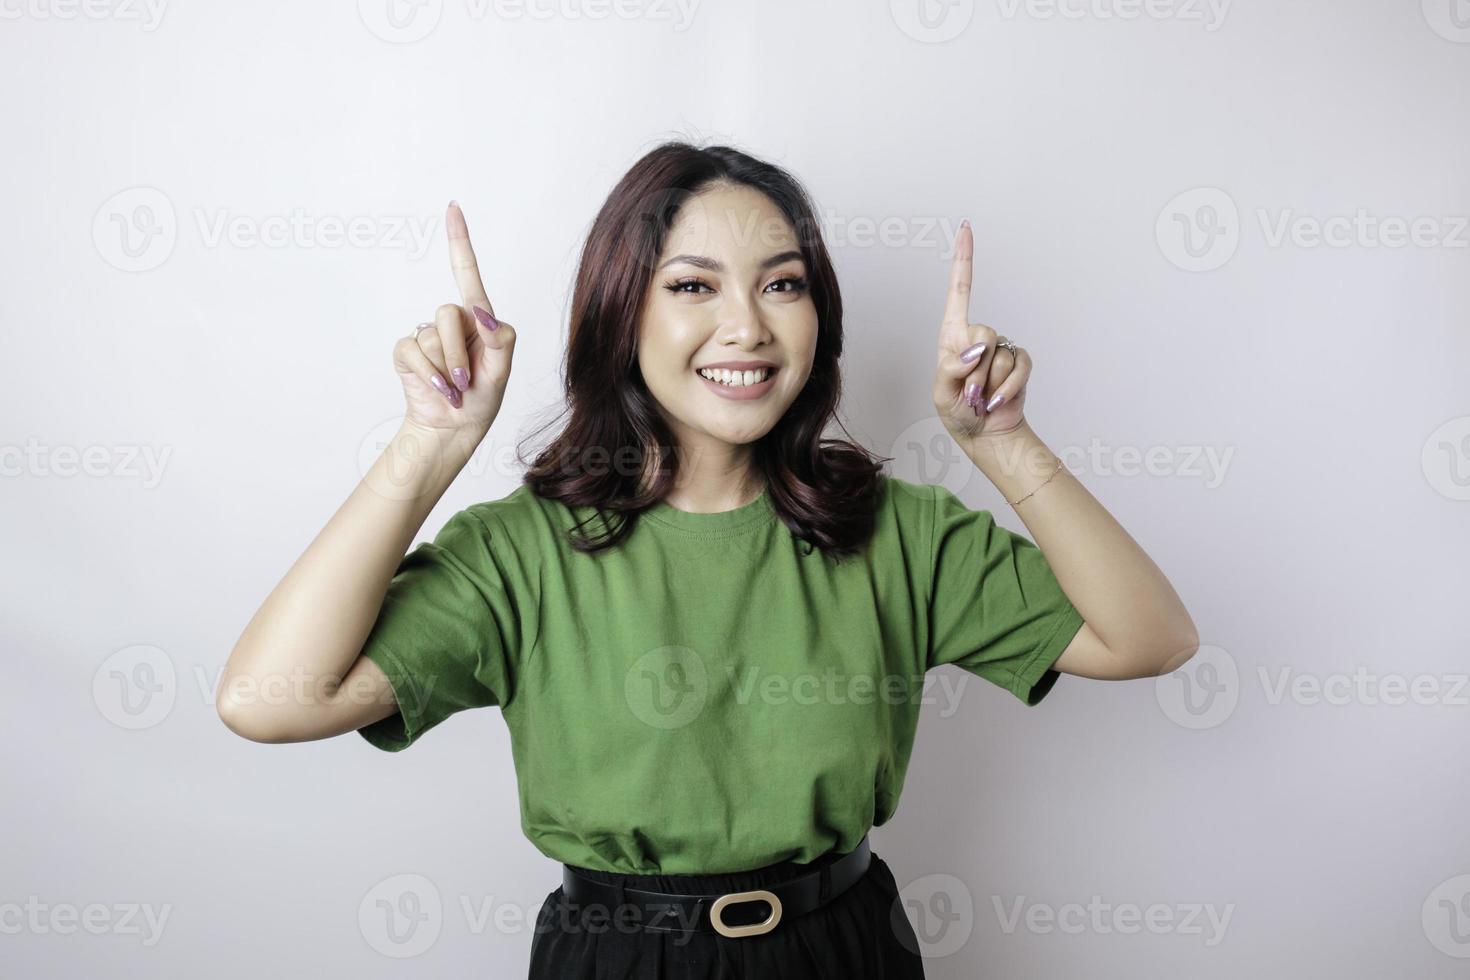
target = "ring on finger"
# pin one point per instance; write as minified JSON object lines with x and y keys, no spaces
{"x":419,"y":329}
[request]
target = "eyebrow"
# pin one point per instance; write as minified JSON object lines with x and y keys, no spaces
{"x":714,"y":265}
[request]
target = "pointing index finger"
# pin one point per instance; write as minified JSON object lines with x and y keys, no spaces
{"x":462,"y":260}
{"x":961,"y":272}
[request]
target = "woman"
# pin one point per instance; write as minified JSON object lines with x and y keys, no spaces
{"x":706,"y":626}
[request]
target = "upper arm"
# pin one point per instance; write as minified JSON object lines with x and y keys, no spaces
{"x":442,"y":642}
{"x":364,"y":696}
{"x":447,"y":636}
{"x":1088,"y":656}
{"x":995,"y":607}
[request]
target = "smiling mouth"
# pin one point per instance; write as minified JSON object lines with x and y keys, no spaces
{"x":736,"y":379}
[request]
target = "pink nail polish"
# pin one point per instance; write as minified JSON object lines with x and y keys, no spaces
{"x":461,"y":378}
{"x":972,"y":392}
{"x":994,"y":403}
{"x":486,"y":320}
{"x":438,"y":382}
{"x":972,"y":353}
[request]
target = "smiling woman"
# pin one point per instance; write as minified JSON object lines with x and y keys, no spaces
{"x":703,"y":267}
{"x":688,"y":537}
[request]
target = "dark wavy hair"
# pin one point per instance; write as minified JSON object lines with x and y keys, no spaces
{"x":616,"y":453}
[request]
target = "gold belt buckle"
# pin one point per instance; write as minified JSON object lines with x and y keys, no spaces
{"x":755,"y":928}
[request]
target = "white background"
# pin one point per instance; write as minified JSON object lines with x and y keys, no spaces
{"x":1328,"y":545}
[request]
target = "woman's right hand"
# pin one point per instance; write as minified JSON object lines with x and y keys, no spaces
{"x":454,"y":370}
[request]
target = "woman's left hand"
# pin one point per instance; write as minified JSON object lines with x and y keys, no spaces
{"x":985,"y":395}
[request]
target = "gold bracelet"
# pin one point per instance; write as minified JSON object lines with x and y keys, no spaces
{"x":1042,"y":484}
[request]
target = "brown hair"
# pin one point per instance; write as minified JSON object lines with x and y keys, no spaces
{"x":823,"y":490}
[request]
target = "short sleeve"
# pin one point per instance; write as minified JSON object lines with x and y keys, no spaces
{"x":445,"y":633}
{"x":995,"y":607}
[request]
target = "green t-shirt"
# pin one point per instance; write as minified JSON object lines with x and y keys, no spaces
{"x":707,"y":696}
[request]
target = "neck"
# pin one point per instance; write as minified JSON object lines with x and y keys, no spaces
{"x":714,"y":477}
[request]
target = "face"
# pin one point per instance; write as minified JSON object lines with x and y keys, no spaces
{"x":729,"y":294}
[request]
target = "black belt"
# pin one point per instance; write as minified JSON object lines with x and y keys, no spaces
{"x":673,"y":912}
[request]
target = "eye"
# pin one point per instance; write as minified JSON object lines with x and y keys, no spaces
{"x":681,"y":285}
{"x":798,"y":284}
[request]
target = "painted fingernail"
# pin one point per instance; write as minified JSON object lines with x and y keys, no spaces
{"x":486,"y":320}
{"x":990,"y":405}
{"x":972,"y":394}
{"x":461,"y":378}
{"x":971,"y":353}
{"x":444,"y":389}
{"x":454,"y":398}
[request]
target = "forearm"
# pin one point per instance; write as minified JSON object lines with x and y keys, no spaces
{"x":1120,"y":592}
{"x":310,"y":629}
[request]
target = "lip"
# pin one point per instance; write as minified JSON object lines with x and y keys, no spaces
{"x":744,"y":392}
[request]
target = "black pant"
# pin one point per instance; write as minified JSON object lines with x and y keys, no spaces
{"x":862,"y":934}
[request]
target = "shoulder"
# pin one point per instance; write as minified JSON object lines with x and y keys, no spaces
{"x":514,"y":533}
{"x":930,"y":511}
{"x":907,"y":491}
{"x":909,"y":504}
{"x":904,"y":515}
{"x":932,"y":499}
{"x":519,"y":514}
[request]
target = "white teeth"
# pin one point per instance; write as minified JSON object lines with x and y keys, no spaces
{"x":736,"y":379}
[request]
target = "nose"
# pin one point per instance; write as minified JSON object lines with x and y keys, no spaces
{"x":742,"y":325}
